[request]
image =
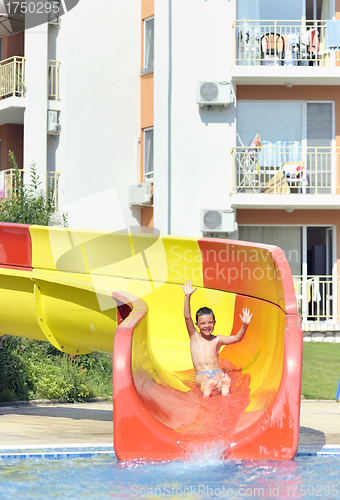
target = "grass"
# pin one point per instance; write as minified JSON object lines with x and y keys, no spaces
{"x":320,"y":370}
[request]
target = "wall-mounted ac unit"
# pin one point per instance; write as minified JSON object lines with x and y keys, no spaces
{"x":214,"y":94}
{"x":140,"y":194}
{"x":53,"y":125}
{"x":218,"y":221}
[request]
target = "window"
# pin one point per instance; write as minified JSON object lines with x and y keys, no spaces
{"x":148,"y":43}
{"x":148,"y":153}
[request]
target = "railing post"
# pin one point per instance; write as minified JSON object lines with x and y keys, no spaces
{"x":14,"y":73}
{"x":234,"y":28}
{"x":276,"y":45}
{"x":233,"y":170}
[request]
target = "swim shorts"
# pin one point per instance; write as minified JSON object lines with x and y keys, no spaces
{"x":210,"y":373}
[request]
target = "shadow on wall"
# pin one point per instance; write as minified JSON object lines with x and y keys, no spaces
{"x":217,"y":114}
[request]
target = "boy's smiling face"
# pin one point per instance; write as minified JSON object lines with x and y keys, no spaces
{"x":206,"y":324}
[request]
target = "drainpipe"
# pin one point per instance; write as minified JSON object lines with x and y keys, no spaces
{"x":169,"y":114}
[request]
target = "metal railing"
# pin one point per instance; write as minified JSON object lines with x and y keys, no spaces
{"x":277,"y":168}
{"x":53,"y":80}
{"x":12,"y":77}
{"x":9,"y":181}
{"x":284,"y":43}
{"x":316,"y":297}
{"x":9,"y":184}
{"x":52,"y":188}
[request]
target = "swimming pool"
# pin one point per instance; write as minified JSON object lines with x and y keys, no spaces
{"x":96,"y":474}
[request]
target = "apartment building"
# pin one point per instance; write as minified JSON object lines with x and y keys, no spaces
{"x":70,"y":102}
{"x":189,"y":117}
{"x":246,"y":134}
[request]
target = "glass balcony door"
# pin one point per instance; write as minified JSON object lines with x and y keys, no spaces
{"x":288,"y":10}
{"x":319,"y":141}
{"x":292,"y":134}
{"x":267,"y":9}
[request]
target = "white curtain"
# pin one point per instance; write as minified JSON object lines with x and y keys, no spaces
{"x":269,"y":9}
{"x":248,"y":9}
{"x":287,"y":238}
{"x":326,"y":10}
{"x":274,"y":121}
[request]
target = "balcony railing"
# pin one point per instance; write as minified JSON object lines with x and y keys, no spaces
{"x":280,"y":169}
{"x":53,"y":80}
{"x":12,"y":77}
{"x":286,"y":43}
{"x":9,"y":185}
{"x":52,"y":188}
{"x":316,"y":297}
{"x":9,"y":181}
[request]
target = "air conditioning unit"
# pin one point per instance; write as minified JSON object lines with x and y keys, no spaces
{"x":140,"y":194}
{"x":214,"y":94}
{"x":218,"y":221}
{"x":53,"y":125}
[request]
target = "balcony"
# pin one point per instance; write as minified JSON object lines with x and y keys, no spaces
{"x":53,"y":80}
{"x":9,"y":185}
{"x":286,"y":52}
{"x":317,"y":297}
{"x":9,"y":181}
{"x":52,"y":188}
{"x":12,"y":77}
{"x":286,"y":175}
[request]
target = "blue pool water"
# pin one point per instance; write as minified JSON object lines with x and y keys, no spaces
{"x":96,"y":474}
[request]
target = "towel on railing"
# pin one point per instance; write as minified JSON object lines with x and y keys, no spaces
{"x":333,"y":31}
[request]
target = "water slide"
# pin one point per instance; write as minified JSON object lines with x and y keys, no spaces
{"x":86,"y":291}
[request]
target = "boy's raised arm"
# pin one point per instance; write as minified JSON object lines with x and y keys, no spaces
{"x":188,"y":291}
{"x":245,"y":318}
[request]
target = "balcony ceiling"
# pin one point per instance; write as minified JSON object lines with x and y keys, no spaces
{"x":10,"y":24}
{"x":12,"y":111}
{"x":282,"y":75}
{"x":288,"y":202}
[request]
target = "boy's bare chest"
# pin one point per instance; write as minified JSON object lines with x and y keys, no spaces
{"x":199,"y":343}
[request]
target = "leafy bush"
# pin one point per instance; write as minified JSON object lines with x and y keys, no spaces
{"x":30,"y":369}
{"x":65,"y":382}
{"x":14,"y":383}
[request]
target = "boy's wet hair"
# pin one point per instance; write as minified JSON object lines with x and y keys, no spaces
{"x":203,"y":311}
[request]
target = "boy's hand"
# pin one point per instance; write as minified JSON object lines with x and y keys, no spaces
{"x":187,"y":287}
{"x":246,"y":318}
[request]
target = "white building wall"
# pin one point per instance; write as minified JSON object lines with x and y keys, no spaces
{"x":198,"y":145}
{"x":99,"y":113}
{"x":35,"y":117}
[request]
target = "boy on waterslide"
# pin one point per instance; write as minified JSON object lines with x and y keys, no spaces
{"x":205,"y":347}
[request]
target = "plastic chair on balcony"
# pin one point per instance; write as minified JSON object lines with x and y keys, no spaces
{"x":272,"y":49}
{"x":310,"y":48}
{"x":296,"y":175}
{"x":277,"y":184}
